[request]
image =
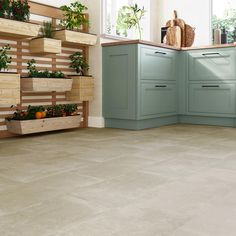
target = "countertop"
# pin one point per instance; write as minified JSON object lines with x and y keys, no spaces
{"x":161,"y":45}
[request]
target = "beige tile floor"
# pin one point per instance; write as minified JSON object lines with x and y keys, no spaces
{"x":172,"y":181}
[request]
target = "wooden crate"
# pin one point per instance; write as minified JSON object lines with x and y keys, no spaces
{"x":42,"y":125}
{"x":75,"y":37}
{"x":82,"y":89}
{"x":45,"y":84}
{"x":9,"y":89}
{"x":18,"y":29}
{"x":45,"y":46}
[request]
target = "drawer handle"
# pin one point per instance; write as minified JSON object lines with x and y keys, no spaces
{"x":211,"y":54}
{"x":161,"y":86}
{"x":162,"y":53}
{"x":210,"y":86}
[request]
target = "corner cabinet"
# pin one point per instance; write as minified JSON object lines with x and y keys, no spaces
{"x":139,"y":86}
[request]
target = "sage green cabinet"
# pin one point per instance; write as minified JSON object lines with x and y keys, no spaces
{"x":211,"y":64}
{"x":158,"y":99}
{"x":217,"y":99}
{"x":157,"y":63}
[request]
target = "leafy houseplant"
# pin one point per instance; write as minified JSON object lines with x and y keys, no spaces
{"x":33,"y":72}
{"x":129,"y":17}
{"x":74,"y":16}
{"x":47,"y":29}
{"x":5,"y":60}
{"x":79,"y":63}
{"x":20,"y":10}
{"x":5,"y":9}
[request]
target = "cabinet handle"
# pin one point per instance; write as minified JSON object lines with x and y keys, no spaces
{"x":160,"y":86}
{"x":211,"y":54}
{"x":210,"y":86}
{"x":162,"y":53}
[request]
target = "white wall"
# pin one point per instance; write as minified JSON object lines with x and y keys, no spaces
{"x":195,"y":12}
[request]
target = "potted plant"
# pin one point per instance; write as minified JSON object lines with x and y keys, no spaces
{"x":40,"y":119}
{"x":72,"y":23}
{"x":9,"y":82}
{"x":44,"y":81}
{"x":82,"y":86}
{"x":45,"y":44}
{"x":14,"y":15}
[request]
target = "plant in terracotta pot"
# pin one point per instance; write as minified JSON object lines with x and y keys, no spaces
{"x":73,"y":23}
{"x":10,"y":82}
{"x":82,"y":87}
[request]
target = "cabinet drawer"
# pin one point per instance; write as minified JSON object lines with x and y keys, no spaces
{"x":212,"y":65}
{"x":212,"y":99}
{"x":158,"y":99}
{"x":157,"y":64}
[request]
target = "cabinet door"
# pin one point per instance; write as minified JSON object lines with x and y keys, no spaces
{"x":157,"y":64}
{"x":212,"y":65}
{"x":212,"y":99}
{"x":158,"y":99}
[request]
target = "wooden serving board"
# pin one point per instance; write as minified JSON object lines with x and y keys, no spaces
{"x":173,"y":36}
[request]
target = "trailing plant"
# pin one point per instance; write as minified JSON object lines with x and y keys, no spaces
{"x":5,"y":60}
{"x":20,"y":10}
{"x":74,"y":17}
{"x":47,"y":29}
{"x":129,"y":17}
{"x":5,"y":9}
{"x":78,"y":63}
{"x":39,"y":112}
{"x":33,"y":72}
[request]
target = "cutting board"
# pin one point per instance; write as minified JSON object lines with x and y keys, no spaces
{"x":181,"y":24}
{"x":173,"y":35}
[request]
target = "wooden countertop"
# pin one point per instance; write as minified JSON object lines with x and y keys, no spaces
{"x":161,"y":45}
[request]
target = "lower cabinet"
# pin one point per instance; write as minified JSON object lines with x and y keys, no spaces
{"x":211,"y":99}
{"x":158,"y":99}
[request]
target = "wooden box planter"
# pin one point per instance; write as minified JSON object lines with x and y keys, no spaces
{"x":45,"y":46}
{"x":82,"y":89}
{"x":74,"y":37}
{"x":45,"y":84}
{"x":43,"y":125}
{"x":18,"y":29}
{"x":9,"y":89}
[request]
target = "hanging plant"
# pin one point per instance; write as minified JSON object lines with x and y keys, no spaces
{"x":5,"y":60}
{"x":74,"y":17}
{"x":79,"y":63}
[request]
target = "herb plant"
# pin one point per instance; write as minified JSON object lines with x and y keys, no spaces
{"x":20,"y":10}
{"x":33,"y":72}
{"x":5,"y":9}
{"x":79,"y":63}
{"x":129,"y":17}
{"x":74,"y":17}
{"x":5,"y":60}
{"x":47,"y":29}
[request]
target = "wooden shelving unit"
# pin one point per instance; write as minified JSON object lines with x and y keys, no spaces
{"x":21,"y":55}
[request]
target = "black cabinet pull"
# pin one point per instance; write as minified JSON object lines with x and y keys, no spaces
{"x":161,"y":86}
{"x":210,"y":86}
{"x":162,"y":53}
{"x":211,"y":54}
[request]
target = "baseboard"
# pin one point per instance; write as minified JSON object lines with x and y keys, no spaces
{"x":96,"y":122}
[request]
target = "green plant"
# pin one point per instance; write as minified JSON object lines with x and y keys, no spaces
{"x":33,"y":72}
{"x":129,"y":17}
{"x":78,"y":63}
{"x":74,"y":16}
{"x":5,"y":9}
{"x":47,"y":29}
{"x":20,"y":10}
{"x":5,"y":60}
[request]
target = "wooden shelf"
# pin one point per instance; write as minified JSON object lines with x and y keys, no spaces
{"x":18,"y":29}
{"x":74,"y":37}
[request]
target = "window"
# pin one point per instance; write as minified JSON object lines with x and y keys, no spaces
{"x":111,"y":25}
{"x":224,"y":16}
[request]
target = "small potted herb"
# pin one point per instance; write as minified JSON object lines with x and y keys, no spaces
{"x":40,"y":119}
{"x":44,"y":81}
{"x":73,"y":24}
{"x":9,"y":82}
{"x":45,"y":44}
{"x":83,"y":85}
{"x":14,"y":17}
